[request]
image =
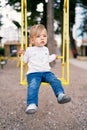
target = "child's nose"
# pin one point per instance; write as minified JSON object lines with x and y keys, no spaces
{"x":42,"y":37}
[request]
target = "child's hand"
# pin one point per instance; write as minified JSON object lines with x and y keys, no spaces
{"x":20,"y":52}
{"x":57,"y":56}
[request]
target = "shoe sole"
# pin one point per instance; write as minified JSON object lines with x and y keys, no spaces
{"x":63,"y":101}
{"x":31,"y":111}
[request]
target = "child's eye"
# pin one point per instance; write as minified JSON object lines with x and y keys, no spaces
{"x":44,"y":36}
{"x":38,"y":35}
{"x":41,"y":36}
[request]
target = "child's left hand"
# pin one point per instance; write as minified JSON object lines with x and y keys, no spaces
{"x":57,"y":56}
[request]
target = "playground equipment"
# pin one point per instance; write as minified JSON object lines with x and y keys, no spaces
{"x":65,"y":45}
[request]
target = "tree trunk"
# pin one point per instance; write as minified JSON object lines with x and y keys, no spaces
{"x":50,"y":19}
{"x":50,"y":27}
{"x":73,"y":46}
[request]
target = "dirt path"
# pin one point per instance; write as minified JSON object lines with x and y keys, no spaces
{"x":50,"y":114}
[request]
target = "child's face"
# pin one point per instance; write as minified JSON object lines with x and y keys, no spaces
{"x":41,"y":39}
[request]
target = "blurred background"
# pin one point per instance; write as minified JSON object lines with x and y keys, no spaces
{"x":38,"y":12}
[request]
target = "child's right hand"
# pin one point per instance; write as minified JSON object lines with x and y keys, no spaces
{"x":20,"y":52}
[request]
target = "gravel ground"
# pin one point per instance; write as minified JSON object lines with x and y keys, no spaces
{"x":50,"y":114}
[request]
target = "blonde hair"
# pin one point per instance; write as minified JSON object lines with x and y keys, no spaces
{"x":36,"y":30}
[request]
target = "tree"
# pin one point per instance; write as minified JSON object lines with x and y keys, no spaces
{"x":50,"y":19}
{"x":0,"y":27}
{"x":58,"y":14}
{"x":18,"y":26}
{"x":83,"y":26}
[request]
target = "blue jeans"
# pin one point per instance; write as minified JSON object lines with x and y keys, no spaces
{"x":34,"y":81}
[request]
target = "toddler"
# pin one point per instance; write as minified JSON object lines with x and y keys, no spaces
{"x":38,"y":60}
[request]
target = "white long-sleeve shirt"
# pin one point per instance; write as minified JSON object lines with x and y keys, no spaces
{"x":38,"y":59}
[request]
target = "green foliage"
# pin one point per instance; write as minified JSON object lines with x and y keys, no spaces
{"x":58,"y":11}
{"x":31,"y":7}
{"x":72,"y":5}
{"x":1,"y":51}
{"x":16,"y":24}
{"x":84,"y":2}
{"x":15,"y":3}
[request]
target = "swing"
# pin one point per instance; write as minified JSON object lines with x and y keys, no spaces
{"x":65,"y":45}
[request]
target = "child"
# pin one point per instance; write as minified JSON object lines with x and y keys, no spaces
{"x":38,"y":60}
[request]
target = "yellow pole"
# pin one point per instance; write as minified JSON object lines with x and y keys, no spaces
{"x":22,"y":25}
{"x":65,"y":53}
{"x":63,"y":46}
{"x":67,"y":57}
{"x":66,"y":24}
{"x":23,"y":37}
{"x":26,"y":31}
{"x":26,"y":38}
{"x":23,"y":28}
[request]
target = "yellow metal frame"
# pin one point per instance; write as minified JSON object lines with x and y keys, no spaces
{"x":65,"y":46}
{"x":23,"y":36}
{"x":65,"y":53}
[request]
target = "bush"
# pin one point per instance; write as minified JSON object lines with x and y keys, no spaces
{"x":2,"y":51}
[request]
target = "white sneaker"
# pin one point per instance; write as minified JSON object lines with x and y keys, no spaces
{"x":32,"y":108}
